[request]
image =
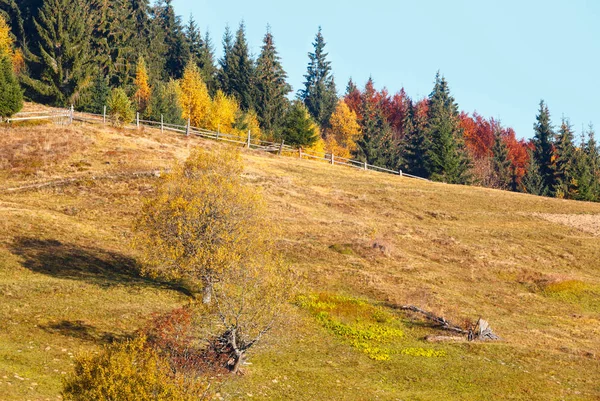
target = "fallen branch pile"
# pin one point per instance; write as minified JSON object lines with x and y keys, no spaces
{"x":481,"y":331}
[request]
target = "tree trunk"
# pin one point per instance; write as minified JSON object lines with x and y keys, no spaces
{"x":238,"y":358}
{"x":207,"y":293}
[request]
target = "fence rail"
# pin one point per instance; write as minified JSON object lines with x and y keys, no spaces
{"x":248,"y":141}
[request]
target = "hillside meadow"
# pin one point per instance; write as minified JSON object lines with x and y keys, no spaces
{"x":365,"y":244}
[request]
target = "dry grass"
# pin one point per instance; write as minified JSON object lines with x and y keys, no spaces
{"x":67,"y":277}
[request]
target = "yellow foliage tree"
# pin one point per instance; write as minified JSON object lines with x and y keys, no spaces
{"x":7,"y":47}
{"x":143,"y":91}
{"x":208,"y":228}
{"x":344,"y":131}
{"x":195,"y":100}
{"x":248,"y":122}
{"x":223,"y":112}
{"x":202,"y":221}
{"x":6,"y":41}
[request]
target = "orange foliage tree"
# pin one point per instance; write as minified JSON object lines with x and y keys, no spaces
{"x":344,"y":131}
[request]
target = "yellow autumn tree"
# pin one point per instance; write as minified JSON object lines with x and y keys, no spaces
{"x":195,"y":100}
{"x":6,"y":41}
{"x":248,"y":122}
{"x":7,"y":47}
{"x":223,"y":111}
{"x":143,"y":91}
{"x":344,"y":131}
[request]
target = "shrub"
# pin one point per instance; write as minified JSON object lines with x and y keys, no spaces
{"x":11,"y":96}
{"x":120,"y":108}
{"x":128,"y":371}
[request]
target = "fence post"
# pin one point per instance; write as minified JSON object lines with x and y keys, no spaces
{"x":137,"y":120}
{"x":218,"y":131}
{"x":366,"y":165}
{"x":332,"y":158}
{"x":248,"y":143}
{"x":281,"y":147}
{"x":187,"y":128}
{"x":300,"y":152}
{"x":104,"y":115}
{"x":71,"y":112}
{"x":162,"y":124}
{"x":400,"y":172}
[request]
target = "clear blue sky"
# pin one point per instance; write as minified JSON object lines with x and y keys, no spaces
{"x":500,"y":57}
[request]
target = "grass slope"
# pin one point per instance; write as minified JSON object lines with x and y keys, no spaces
{"x":366,"y":242}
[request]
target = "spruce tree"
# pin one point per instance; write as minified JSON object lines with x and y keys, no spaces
{"x":319,"y":93}
{"x":64,"y":59}
{"x":501,"y":165}
{"x":98,"y":95}
{"x":11,"y":96}
{"x":565,"y":185}
{"x":299,"y":129}
{"x":206,"y":63}
{"x":583,"y":173}
{"x":226,"y":63}
{"x":238,"y":71}
{"x":177,"y":54}
{"x":113,"y":40}
{"x":544,"y":148}
{"x":194,"y":39}
{"x":271,"y":87}
{"x":592,"y":152}
{"x":376,"y":146}
{"x":417,"y":143}
{"x":165,"y":102}
{"x":448,"y":157}
{"x":533,"y":181}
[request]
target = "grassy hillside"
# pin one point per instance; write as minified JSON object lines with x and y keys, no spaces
{"x":365,"y":242}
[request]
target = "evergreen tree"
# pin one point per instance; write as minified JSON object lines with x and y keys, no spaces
{"x":238,"y":80}
{"x":194,"y":40}
{"x":583,"y":173}
{"x":533,"y":181}
{"x":544,"y":148}
{"x":206,"y":63}
{"x":112,"y":41}
{"x":376,"y":146}
{"x":226,"y":62}
{"x":501,"y":165}
{"x":177,"y":54}
{"x":351,"y":87}
{"x":319,"y":93}
{"x":299,"y":129}
{"x":11,"y":96}
{"x":64,"y":57}
{"x":565,"y":185}
{"x":271,"y":87}
{"x":592,"y":151}
{"x":449,"y":160}
{"x":417,"y":143}
{"x":165,"y":101}
{"x":97,"y":97}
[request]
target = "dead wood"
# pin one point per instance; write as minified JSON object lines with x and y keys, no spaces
{"x":481,"y":331}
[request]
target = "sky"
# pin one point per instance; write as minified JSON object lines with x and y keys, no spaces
{"x":500,"y":57}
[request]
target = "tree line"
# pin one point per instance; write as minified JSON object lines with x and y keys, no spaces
{"x":137,"y":56}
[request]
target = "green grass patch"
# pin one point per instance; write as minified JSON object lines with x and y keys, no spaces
{"x":368,"y":328}
{"x":575,"y":292}
{"x":344,"y":249}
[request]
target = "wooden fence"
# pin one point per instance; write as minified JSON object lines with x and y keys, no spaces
{"x":69,"y":115}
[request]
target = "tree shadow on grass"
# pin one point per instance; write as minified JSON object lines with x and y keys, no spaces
{"x":83,"y":331}
{"x":92,"y":265}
